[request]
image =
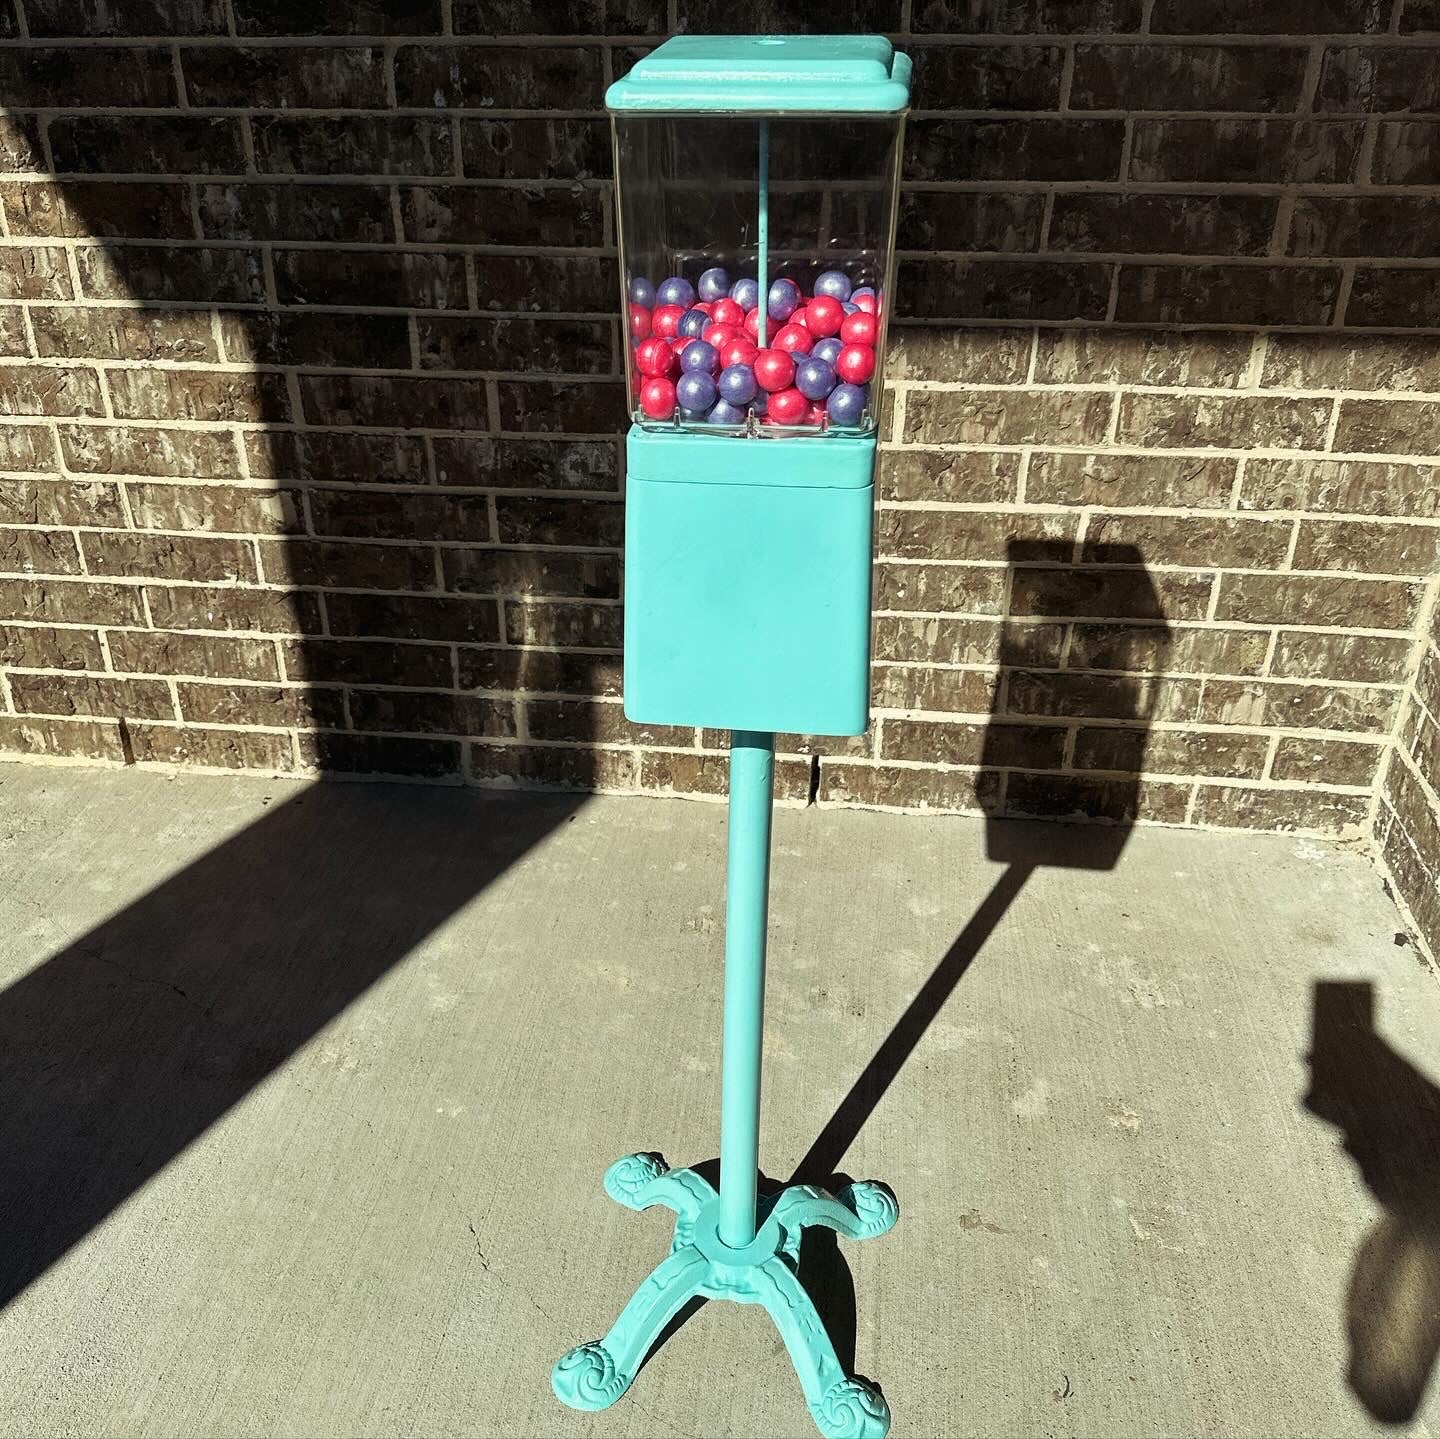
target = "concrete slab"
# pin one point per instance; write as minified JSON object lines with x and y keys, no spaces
{"x":306,"y":1092}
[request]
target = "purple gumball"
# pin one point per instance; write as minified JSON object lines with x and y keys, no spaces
{"x":724,"y":413}
{"x":714,"y":284}
{"x":695,"y":390}
{"x":737,"y":384}
{"x":675,"y":291}
{"x":835,"y":283}
{"x":847,"y":403}
{"x":850,"y":307}
{"x":746,"y":294}
{"x":692,"y":324}
{"x":814,"y":378}
{"x":827,"y":350}
{"x":784,"y":299}
{"x":700,"y":358}
{"x":641,"y":292}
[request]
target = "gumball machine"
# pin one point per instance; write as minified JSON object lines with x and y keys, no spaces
{"x":756,"y":187}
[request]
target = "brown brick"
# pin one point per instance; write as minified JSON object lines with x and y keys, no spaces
{"x":70,"y":332}
{"x":572,"y":215}
{"x":381,"y":755}
{"x":390,"y":514}
{"x":412,"y":617}
{"x":26,"y":447}
{"x":226,"y":508}
{"x":989,"y":77}
{"x":1081,"y":797}
{"x":604,"y":723}
{"x":1389,"y":426}
{"x":1402,"y":298}
{"x":1318,"y":600}
{"x":1300,"y":654}
{"x":541,"y":671}
{"x":271,"y":705}
{"x":1173,"y":752}
{"x":354,"y":145}
{"x":126,"y":17}
{"x":1342,"y":486}
{"x":1166,"y":649}
{"x":368,"y":662}
{"x":1405,"y":153}
{"x":71,"y":602}
{"x":73,"y":739}
{"x":59,"y":502}
{"x":1237,"y":807}
{"x":296,"y":338}
{"x":211,"y":395}
{"x":145,"y":144}
{"x":528,"y":464}
{"x":539,"y":149}
{"x":936,"y":640}
{"x":34,"y":552}
{"x":78,"y":695}
{"x":1022,"y":149}
{"x":427,"y":712}
{"x":161,"y":272}
{"x":560,"y":521}
{"x":323,"y":77}
{"x":506,"y":77}
{"x":193,"y":607}
{"x":1003,"y":289}
{"x":1128,"y":481}
{"x":397,"y":401}
{"x":1326,"y":761}
{"x":559,"y":17}
{"x":1223,"y":421}
{"x":579,"y":408}
{"x":532,"y":572}
{"x":1175,"y":540}
{"x":563,"y":625}
{"x":1271,"y":152}
{"x":1296,"y":706}
{"x":31,"y":648}
{"x":1369,"y":548}
{"x":352,"y":459}
{"x":210,"y":748}
{"x":112,"y":78}
{"x":1187,"y":77}
{"x":34,"y":272}
{"x":996,"y":744}
{"x":359,"y":17}
{"x":1358,"y":362}
{"x":1420,"y":16}
{"x":1021,"y":17}
{"x":978,"y":478}
{"x":963,"y":589}
{"x":545,"y":282}
{"x":954,"y":220}
{"x":984,"y":357}
{"x":98,"y":209}
{"x":154,"y":652}
{"x":894,"y":787}
{"x":567,"y":767}
{"x":21,"y":149}
{"x":1083,"y":696}
{"x":1334,"y":225}
{"x":12,"y":332}
{"x":49,"y":390}
{"x":364,"y":277}
{"x":310,"y":563}
{"x":965,"y":534}
{"x":255,"y":211}
{"x":1140,"y":357}
{"x":1275,"y":17}
{"x":1006,"y":418}
{"x":1110,"y":594}
{"x":921,"y":687}
{"x":1227,"y":294}
{"x":167,"y":557}
{"x":481,"y":343}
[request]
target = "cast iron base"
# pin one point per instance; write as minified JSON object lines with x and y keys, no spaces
{"x":595,"y":1375}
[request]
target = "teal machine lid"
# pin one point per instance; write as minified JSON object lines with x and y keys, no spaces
{"x":767,"y":74}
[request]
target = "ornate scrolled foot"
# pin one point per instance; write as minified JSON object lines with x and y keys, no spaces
{"x":586,"y":1378}
{"x":627,"y":1177}
{"x":874,"y":1204}
{"x":862,"y":1210}
{"x":640,"y":1180}
{"x":852,"y":1409}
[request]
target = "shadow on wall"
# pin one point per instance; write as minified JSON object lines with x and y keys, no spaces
{"x":1388,"y":1115}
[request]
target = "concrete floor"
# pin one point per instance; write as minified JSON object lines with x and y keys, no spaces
{"x":306,"y":1093}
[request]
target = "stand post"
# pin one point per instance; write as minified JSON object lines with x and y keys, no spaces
{"x":752,"y":784}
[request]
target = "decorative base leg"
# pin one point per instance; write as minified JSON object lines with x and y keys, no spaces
{"x":595,"y":1375}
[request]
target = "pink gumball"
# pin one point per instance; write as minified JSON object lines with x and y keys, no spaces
{"x":855,"y":363}
{"x":654,"y":356}
{"x":665,"y":320}
{"x":858,"y":329}
{"x":868,"y":303}
{"x":788,"y":407}
{"x":774,"y":370}
{"x":657,"y":398}
{"x":795,"y":339}
{"x":719,"y":335}
{"x":824,"y":316}
{"x":639,"y":318}
{"x":740,"y":351}
{"x":727,"y":312}
{"x":752,"y":324}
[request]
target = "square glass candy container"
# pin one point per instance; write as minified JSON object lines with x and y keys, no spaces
{"x":756,"y":194}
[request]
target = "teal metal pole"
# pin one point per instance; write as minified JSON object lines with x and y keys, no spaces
{"x":747,"y":892}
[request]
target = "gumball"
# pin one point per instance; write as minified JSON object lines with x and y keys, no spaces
{"x":774,"y":370}
{"x":695,"y":390}
{"x":860,"y":329}
{"x":692,"y":322}
{"x":714,"y":284}
{"x":824,"y":316}
{"x":788,"y":407}
{"x":700,"y":357}
{"x":783,"y":300}
{"x":719,"y":335}
{"x":724,"y":413}
{"x":760,"y":405}
{"x":814,"y":378}
{"x":850,"y":307}
{"x":793,"y":338}
{"x":665,"y":320}
{"x":676,"y":291}
{"x":737,"y":384}
{"x":856,"y":363}
{"x":693,"y":417}
{"x":641,"y":291}
{"x":638,"y":317}
{"x":655,"y":356}
{"x":739,"y":351}
{"x":815,"y":415}
{"x":866,"y":298}
{"x":834,"y":284}
{"x":846,"y":404}
{"x":704,"y":306}
{"x":752,"y":324}
{"x":727,"y":312}
{"x":657,"y":398}
{"x":827,"y":349}
{"x":746,"y":293}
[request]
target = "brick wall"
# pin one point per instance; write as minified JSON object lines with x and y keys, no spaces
{"x":307,"y":342}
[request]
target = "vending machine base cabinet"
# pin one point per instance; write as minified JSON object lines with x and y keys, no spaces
{"x":747,"y":581}
{"x":732,"y":1243}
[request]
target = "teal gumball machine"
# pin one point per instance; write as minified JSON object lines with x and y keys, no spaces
{"x":756,"y":186}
